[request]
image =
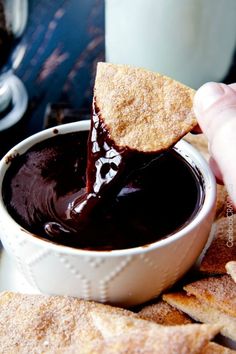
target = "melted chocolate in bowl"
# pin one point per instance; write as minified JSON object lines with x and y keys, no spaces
{"x":45,"y":188}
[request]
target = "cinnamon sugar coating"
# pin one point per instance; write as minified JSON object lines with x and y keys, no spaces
{"x":59,"y":324}
{"x":218,"y":292}
{"x":142,"y":110}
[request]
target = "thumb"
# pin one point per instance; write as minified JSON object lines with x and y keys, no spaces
{"x":215,"y":109}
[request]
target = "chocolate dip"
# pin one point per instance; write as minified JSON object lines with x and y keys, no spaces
{"x":44,"y":187}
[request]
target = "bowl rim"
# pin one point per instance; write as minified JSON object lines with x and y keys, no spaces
{"x":185,"y":149}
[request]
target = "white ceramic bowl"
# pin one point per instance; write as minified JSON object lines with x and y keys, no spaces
{"x":122,"y":277}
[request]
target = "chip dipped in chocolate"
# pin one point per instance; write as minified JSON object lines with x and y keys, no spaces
{"x":142,"y":110}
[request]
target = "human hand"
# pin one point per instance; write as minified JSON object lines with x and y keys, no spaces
{"x":215,"y":109}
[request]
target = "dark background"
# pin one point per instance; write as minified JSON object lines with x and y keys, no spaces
{"x":64,"y":39}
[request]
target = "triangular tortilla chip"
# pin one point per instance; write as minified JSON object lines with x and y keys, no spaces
{"x":200,"y":142}
{"x":48,"y":324}
{"x":231,"y":269}
{"x":223,"y":247}
{"x":141,"y":109}
{"x":164,"y":314}
{"x":218,"y":292}
{"x":57,"y":324}
{"x":202,"y":312}
{"x":130,"y":335}
{"x":222,"y":199}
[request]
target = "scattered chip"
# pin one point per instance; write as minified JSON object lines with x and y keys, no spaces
{"x":202,"y":312}
{"x":200,"y":142}
{"x":42,"y":324}
{"x":129,"y":335}
{"x":142,"y":110}
{"x":164,"y":314}
{"x":231,"y":269}
{"x":57,"y":324}
{"x":223,"y":247}
{"x":222,"y":202}
{"x":218,"y":292}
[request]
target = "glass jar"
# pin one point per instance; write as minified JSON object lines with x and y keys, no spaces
{"x":192,"y":41}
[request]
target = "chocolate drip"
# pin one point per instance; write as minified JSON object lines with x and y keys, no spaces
{"x":108,"y":167}
{"x":105,"y":171}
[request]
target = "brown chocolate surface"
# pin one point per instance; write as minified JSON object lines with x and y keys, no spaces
{"x":43,"y":186}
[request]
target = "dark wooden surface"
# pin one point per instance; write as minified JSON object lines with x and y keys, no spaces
{"x":64,"y":40}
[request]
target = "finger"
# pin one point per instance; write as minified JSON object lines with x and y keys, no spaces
{"x":233,"y":86}
{"x":215,"y":108}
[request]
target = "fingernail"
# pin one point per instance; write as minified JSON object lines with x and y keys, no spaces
{"x":207,"y":95}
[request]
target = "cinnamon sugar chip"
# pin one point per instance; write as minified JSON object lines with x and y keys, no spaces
{"x":223,"y":247}
{"x":222,"y":202}
{"x":141,"y":109}
{"x":218,"y":292}
{"x":48,"y":324}
{"x":200,"y":142}
{"x":191,"y":339}
{"x":203,"y":312}
{"x":164,"y":314}
{"x":57,"y":324}
{"x":231,"y":269}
